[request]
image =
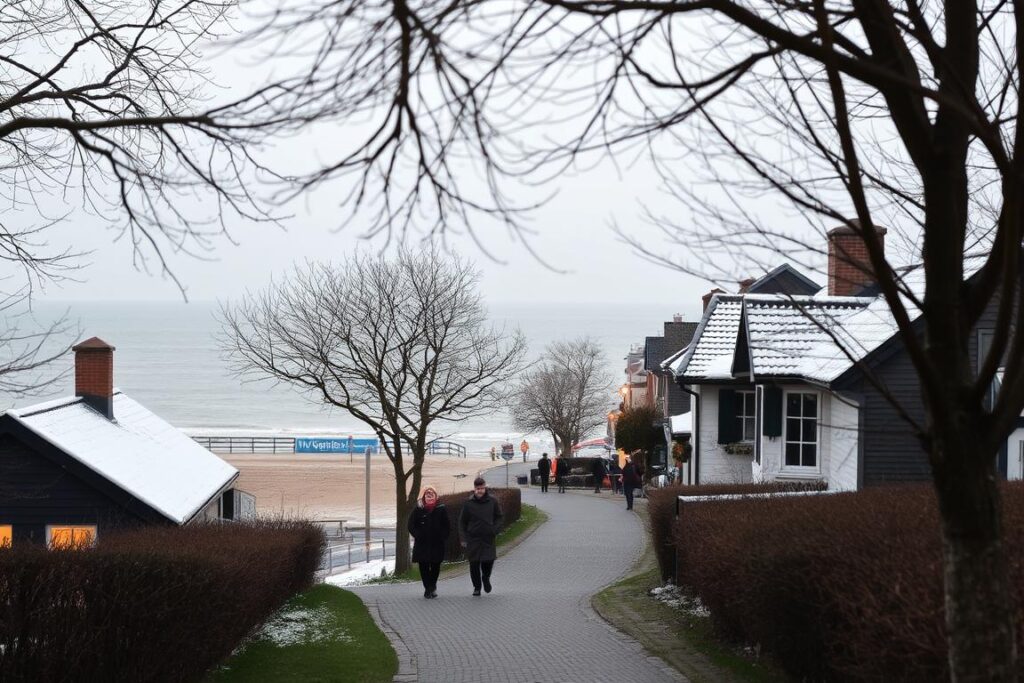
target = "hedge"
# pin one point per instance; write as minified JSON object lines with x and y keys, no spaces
{"x":510,"y":500}
{"x":155,"y":604}
{"x":838,"y":587}
{"x":661,"y":507}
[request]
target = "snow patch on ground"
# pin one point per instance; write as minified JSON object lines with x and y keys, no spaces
{"x":674,"y":597}
{"x":302,"y":626}
{"x":361,"y":573}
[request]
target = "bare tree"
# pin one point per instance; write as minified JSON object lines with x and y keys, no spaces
{"x":403,"y":345}
{"x":849,"y":112}
{"x":567,"y":393}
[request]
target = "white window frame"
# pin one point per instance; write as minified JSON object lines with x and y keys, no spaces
{"x":741,"y":397}
{"x":51,"y":527}
{"x":801,"y":469}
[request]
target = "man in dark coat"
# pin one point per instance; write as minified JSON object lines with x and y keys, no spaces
{"x":479,"y":524}
{"x":615,"y":474}
{"x":544,"y":465}
{"x":630,"y":481}
{"x":429,"y":528}
{"x":561,"y":472}
{"x":597,"y":469}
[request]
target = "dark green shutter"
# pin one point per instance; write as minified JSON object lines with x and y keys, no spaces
{"x":771,"y":425}
{"x":728,"y":431}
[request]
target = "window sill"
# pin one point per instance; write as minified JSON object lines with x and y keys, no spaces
{"x":799,"y":474}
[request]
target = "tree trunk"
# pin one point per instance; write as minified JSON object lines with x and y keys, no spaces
{"x":980,"y":614}
{"x":403,"y":553}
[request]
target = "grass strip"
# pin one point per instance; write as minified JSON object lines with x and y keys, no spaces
{"x":324,"y":635}
{"x":682,"y":639}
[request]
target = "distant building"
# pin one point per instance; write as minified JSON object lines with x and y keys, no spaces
{"x":76,"y":468}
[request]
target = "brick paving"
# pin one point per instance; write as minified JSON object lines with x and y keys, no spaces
{"x":537,"y":626}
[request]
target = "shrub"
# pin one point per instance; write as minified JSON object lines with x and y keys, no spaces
{"x":509,"y":499}
{"x":838,"y":587}
{"x":155,"y":604}
{"x":661,"y":507}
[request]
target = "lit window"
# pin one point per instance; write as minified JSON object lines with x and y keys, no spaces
{"x":6,"y":535}
{"x":70,"y":536}
{"x":801,"y":430}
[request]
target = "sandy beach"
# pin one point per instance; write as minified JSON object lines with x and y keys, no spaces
{"x":325,"y":487}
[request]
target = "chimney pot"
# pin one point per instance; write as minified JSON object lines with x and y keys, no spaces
{"x":677,"y":317}
{"x":849,"y":268}
{"x":94,"y":375}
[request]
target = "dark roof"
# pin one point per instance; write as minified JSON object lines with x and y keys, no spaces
{"x":658,"y":349}
{"x":784,"y":279}
{"x":92,"y":343}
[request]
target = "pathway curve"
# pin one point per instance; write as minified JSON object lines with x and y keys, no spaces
{"x":537,"y":625}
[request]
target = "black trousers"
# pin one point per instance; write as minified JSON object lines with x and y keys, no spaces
{"x":476,"y":569}
{"x":598,"y":480}
{"x":428,"y":574}
{"x":544,"y":483}
{"x":628,"y":490}
{"x":561,"y":484}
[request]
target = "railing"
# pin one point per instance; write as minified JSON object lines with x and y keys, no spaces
{"x":247,"y":444}
{"x":344,"y":556}
{"x":446,"y":448}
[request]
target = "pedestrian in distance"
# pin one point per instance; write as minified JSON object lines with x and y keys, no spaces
{"x":630,"y":481}
{"x":544,"y":467}
{"x":561,"y":472}
{"x":479,"y":524}
{"x":429,"y":527}
{"x":494,"y":453}
{"x":615,"y":474}
{"x":597,"y":469}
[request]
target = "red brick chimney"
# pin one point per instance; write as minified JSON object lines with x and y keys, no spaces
{"x":849,"y":269}
{"x":707,"y":297}
{"x":94,"y":375}
{"x":745,"y":284}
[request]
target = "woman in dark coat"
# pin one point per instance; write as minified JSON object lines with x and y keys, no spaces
{"x":479,"y":524}
{"x":630,"y":480}
{"x":429,"y":527}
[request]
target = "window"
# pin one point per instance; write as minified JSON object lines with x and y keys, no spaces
{"x":745,"y":415}
{"x":6,"y":535}
{"x":801,"y":440}
{"x":70,"y":536}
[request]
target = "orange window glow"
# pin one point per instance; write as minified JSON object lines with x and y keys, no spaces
{"x":6,"y":535}
{"x":64,"y":537}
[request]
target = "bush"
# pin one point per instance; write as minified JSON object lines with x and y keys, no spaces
{"x":155,"y":604}
{"x":661,"y":506}
{"x":510,"y":500}
{"x":839,"y":587}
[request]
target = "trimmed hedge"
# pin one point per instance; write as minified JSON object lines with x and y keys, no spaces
{"x":155,"y":604}
{"x":661,"y":506}
{"x":838,"y":587}
{"x":510,"y":500}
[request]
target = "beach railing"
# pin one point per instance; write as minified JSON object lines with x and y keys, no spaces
{"x":344,"y":556}
{"x":446,"y":448}
{"x":247,"y":444}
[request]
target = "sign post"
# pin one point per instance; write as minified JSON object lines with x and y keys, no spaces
{"x":368,"y":449}
{"x":508,"y":451}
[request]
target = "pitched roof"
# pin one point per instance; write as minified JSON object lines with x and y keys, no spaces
{"x":793,"y":336}
{"x":709,"y":355}
{"x":784,"y":279}
{"x":138,"y":451}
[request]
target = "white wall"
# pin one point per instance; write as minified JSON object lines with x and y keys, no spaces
{"x":717,"y":466}
{"x":1014,"y":466}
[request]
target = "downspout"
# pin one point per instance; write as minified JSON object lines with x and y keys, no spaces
{"x":695,"y":424}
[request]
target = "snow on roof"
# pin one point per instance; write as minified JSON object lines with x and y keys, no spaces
{"x":682,"y":424}
{"x":787,"y":335}
{"x":668,"y":362}
{"x":714,"y":338}
{"x":137,"y":451}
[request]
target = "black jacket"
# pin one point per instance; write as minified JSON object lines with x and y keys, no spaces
{"x":544,"y":465}
{"x":630,"y":476}
{"x":479,"y":524}
{"x":561,"y":468}
{"x":597,"y":468}
{"x":429,"y":531}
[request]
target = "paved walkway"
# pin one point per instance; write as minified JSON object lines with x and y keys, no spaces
{"x":537,"y":625}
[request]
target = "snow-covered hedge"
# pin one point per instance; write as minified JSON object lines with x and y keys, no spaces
{"x":155,"y":604}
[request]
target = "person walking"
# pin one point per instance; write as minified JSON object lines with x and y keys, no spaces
{"x":597,"y":469}
{"x":429,"y":527}
{"x":630,"y":481}
{"x":544,"y":466}
{"x":479,"y":524}
{"x":561,"y":472}
{"x":615,"y":474}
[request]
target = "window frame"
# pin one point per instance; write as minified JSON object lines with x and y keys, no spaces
{"x":742,"y":416}
{"x":801,"y":469}
{"x":50,"y":528}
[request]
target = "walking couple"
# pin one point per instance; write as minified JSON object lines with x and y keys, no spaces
{"x":479,"y":523}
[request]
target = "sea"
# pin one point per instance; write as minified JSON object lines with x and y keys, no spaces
{"x":168,"y":358}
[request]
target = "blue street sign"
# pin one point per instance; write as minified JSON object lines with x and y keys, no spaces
{"x":336,"y":445}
